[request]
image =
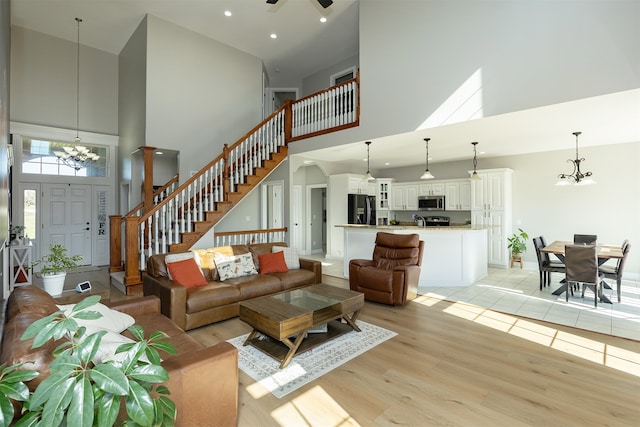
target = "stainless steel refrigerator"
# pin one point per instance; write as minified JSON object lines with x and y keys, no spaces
{"x":361,"y":209}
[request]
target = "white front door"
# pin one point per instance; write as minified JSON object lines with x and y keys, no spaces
{"x":66,"y":219}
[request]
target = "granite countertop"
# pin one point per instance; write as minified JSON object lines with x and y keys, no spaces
{"x":406,"y":226}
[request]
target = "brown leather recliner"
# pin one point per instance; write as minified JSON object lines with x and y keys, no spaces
{"x":392,"y":276}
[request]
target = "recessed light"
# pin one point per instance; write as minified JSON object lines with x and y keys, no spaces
{"x":387,"y":164}
{"x":274,"y":36}
{"x":227,"y":13}
{"x":159,"y":153}
{"x":323,"y":19}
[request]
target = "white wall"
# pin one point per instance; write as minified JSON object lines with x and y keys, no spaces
{"x":201,"y":94}
{"x":415,"y":54}
{"x":132,"y":104}
{"x":43,"y":83}
{"x":321,"y":79}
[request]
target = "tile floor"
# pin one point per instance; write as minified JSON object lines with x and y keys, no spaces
{"x":516,"y":291}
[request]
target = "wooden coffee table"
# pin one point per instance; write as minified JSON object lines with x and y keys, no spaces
{"x":284,"y":318}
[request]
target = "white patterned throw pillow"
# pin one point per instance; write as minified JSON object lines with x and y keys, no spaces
{"x":291,"y":257}
{"x":235,"y":266}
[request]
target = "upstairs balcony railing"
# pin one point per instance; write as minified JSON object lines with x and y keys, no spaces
{"x":190,"y":209}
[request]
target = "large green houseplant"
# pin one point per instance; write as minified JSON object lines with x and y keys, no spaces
{"x":80,"y":393}
{"x":54,"y":267}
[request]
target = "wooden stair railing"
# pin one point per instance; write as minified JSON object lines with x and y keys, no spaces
{"x":116,"y":221}
{"x":178,"y":221}
{"x":248,"y":237}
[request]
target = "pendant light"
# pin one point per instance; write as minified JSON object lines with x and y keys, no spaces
{"x":474,"y":175}
{"x":78,"y":20}
{"x":77,"y":157}
{"x":427,"y":174}
{"x":368,"y":175}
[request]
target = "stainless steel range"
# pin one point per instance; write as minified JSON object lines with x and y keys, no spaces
{"x":431,"y":221}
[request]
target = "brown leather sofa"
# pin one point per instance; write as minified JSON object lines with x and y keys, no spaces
{"x":219,"y":300}
{"x":203,"y":380}
{"x":392,"y":276}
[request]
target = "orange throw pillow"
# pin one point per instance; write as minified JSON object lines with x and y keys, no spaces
{"x":272,"y":263}
{"x":187,"y":273}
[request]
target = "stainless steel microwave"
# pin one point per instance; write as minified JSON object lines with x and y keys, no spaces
{"x":431,"y":203}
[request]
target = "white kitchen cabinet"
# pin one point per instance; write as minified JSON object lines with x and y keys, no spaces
{"x":383,"y":194}
{"x":358,"y":185}
{"x":432,"y":188}
{"x":457,"y":195}
{"x":493,"y":221}
{"x":491,"y":208}
{"x":488,"y":193}
{"x":404,"y":197}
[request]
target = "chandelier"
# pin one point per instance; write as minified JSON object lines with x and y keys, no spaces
{"x":577,"y":177}
{"x":427,"y":174}
{"x":77,"y":157}
{"x":474,"y":175}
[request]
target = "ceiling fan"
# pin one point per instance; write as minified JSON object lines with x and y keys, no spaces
{"x":324,"y":3}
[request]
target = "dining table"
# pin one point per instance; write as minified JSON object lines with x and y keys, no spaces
{"x":604,"y":253}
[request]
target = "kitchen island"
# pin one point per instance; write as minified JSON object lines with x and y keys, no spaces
{"x":453,"y":256}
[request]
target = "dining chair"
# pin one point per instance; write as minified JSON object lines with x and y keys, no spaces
{"x":545,"y":266}
{"x":585,"y":239}
{"x":554,"y":263}
{"x":581,"y":262}
{"x":615,"y":273}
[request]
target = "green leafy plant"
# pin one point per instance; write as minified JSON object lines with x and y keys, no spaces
{"x":82,"y":393}
{"x":57,"y":261}
{"x":12,"y":386}
{"x":518,"y":242}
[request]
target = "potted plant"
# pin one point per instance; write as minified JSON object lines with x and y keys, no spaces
{"x":55,"y":266}
{"x":82,"y":393}
{"x":518,"y":245}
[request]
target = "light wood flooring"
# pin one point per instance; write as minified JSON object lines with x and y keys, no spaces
{"x":456,"y":364}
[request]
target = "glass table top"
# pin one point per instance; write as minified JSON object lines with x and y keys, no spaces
{"x":305,"y":299}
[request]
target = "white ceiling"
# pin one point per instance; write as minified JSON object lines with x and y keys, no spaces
{"x":607,"y":119}
{"x":304,"y":46}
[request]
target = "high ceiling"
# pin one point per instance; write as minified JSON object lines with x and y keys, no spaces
{"x":304,"y":44}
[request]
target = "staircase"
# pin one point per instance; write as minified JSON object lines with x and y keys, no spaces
{"x":175,"y":222}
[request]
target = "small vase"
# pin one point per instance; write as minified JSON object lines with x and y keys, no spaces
{"x":54,"y":283}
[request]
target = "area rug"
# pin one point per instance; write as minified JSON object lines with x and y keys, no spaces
{"x":309,"y":365}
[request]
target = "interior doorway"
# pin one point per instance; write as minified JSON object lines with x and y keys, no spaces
{"x":278,"y":96}
{"x":316,"y":219}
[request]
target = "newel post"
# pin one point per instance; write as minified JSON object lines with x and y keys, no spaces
{"x":226,"y":173}
{"x":147,"y":177}
{"x":131,"y":262}
{"x":288,"y":120}
{"x":115,"y":246}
